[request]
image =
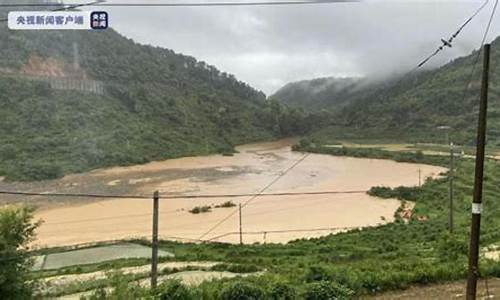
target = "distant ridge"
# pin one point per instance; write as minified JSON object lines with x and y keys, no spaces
{"x":412,"y":109}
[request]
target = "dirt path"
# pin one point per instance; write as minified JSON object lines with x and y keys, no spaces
{"x":62,"y":280}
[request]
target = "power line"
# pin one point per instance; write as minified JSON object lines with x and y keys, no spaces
{"x":448,"y":43}
{"x":445,"y":43}
{"x":73,"y":6}
{"x":309,"y":203}
{"x":81,"y":246}
{"x":476,"y":59}
{"x":143,"y":197}
{"x":256,"y":195}
{"x":74,"y":195}
{"x":283,"y":231}
{"x":59,"y":5}
{"x":104,"y":3}
{"x":105,"y":218}
{"x":124,"y":243}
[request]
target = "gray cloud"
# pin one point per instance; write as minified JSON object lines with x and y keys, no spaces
{"x":270,"y":46}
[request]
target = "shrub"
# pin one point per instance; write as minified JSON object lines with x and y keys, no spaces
{"x":317,"y":273}
{"x":326,"y":290}
{"x":419,"y":155}
{"x":226,"y":204}
{"x":17,"y":230}
{"x":235,"y":268}
{"x":36,"y":171}
{"x":451,"y":248}
{"x":401,"y":192}
{"x":241,"y":290}
{"x":201,"y":209}
{"x":121,"y":289}
{"x":282,"y":291}
{"x":174,"y":290}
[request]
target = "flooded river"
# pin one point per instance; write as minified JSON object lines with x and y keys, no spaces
{"x":264,"y":219}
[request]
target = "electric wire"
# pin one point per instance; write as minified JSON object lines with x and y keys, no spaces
{"x":478,"y":54}
{"x":174,"y":197}
{"x":445,"y":43}
{"x":186,"y":4}
{"x":448,"y":43}
{"x":60,"y":8}
{"x":105,"y":218}
{"x":281,"y":231}
{"x":256,"y":195}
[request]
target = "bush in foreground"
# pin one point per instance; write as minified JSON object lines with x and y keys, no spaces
{"x":242,"y":290}
{"x":17,"y":230}
{"x":327,"y":290}
{"x":174,"y":290}
{"x":282,"y":291}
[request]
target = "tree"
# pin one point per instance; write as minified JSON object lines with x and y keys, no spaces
{"x":17,"y":230}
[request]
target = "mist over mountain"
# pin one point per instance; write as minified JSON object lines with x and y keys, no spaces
{"x":409,"y":108}
{"x":319,"y":93}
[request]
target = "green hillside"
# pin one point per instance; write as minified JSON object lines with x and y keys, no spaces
{"x":411,"y":109}
{"x":156,"y":104}
{"x":319,"y":93}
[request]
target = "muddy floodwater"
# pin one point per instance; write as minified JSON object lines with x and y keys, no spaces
{"x":264,"y":219}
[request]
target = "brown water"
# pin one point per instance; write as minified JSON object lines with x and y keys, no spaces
{"x":249,"y":171}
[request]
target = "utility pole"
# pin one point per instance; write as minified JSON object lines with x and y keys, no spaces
{"x":419,"y":177}
{"x":241,"y":234}
{"x":450,"y":191}
{"x":154,"y":244}
{"x":478,"y":180}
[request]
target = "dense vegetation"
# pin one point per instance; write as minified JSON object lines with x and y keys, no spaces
{"x":157,"y":104}
{"x":17,"y":230}
{"x":320,"y":93}
{"x":408,"y":109}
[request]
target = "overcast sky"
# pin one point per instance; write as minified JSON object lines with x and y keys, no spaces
{"x":268,"y":47}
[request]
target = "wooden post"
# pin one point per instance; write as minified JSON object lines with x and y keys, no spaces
{"x":478,"y":180}
{"x":241,"y":234}
{"x":154,"y":244}
{"x":450,"y":191}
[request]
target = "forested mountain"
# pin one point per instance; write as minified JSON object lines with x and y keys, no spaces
{"x":76,"y":100}
{"x":412,"y":107}
{"x":319,"y":93}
